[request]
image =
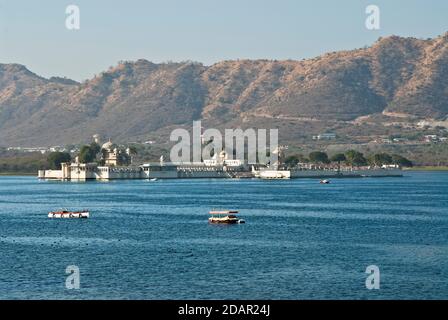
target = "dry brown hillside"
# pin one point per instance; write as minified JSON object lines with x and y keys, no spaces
{"x":398,"y":77}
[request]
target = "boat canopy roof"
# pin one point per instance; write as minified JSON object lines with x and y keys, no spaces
{"x":224,"y":212}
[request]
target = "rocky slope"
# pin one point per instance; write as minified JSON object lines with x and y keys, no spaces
{"x":403,"y":78}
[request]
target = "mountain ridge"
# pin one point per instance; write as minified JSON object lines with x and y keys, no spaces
{"x":142,"y":100}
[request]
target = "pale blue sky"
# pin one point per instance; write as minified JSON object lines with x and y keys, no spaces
{"x":33,"y":33}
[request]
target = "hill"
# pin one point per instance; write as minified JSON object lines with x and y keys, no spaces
{"x":380,"y":90}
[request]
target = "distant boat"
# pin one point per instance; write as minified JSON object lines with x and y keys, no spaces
{"x":325,"y":181}
{"x":225,"y":217}
{"x":153,"y":179}
{"x":65,"y":214}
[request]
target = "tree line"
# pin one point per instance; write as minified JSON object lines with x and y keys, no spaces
{"x":30,"y":163}
{"x":350,"y":158}
{"x":90,"y":153}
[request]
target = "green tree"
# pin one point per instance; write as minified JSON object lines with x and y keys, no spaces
{"x":339,"y":157}
{"x":319,"y":156}
{"x":355,"y":158}
{"x":401,"y":161}
{"x":55,"y":159}
{"x":380,"y":159}
{"x":87,"y":154}
{"x":292,"y":161}
{"x":95,"y":147}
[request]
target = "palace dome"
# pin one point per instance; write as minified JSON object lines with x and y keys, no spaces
{"x":109,"y":145}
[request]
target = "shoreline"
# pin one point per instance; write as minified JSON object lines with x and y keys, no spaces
{"x":414,"y":169}
{"x":427,"y":168}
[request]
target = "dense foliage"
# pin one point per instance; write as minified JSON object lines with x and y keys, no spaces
{"x":89,"y":153}
{"x":55,"y":159}
{"x":350,"y":158}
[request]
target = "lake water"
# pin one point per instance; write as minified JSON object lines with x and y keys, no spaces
{"x":301,"y":240}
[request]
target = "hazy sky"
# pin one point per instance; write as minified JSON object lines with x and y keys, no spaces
{"x":33,"y":33}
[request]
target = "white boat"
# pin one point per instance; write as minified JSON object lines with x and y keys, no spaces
{"x":226,"y":217}
{"x":65,"y":214}
{"x":325,"y":181}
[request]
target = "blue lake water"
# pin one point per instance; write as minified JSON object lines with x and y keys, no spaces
{"x":151,"y":240}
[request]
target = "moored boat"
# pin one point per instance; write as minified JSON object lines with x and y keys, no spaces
{"x":65,"y":214}
{"x":225,"y":217}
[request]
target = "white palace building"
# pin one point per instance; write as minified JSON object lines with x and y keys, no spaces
{"x":117,"y":166}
